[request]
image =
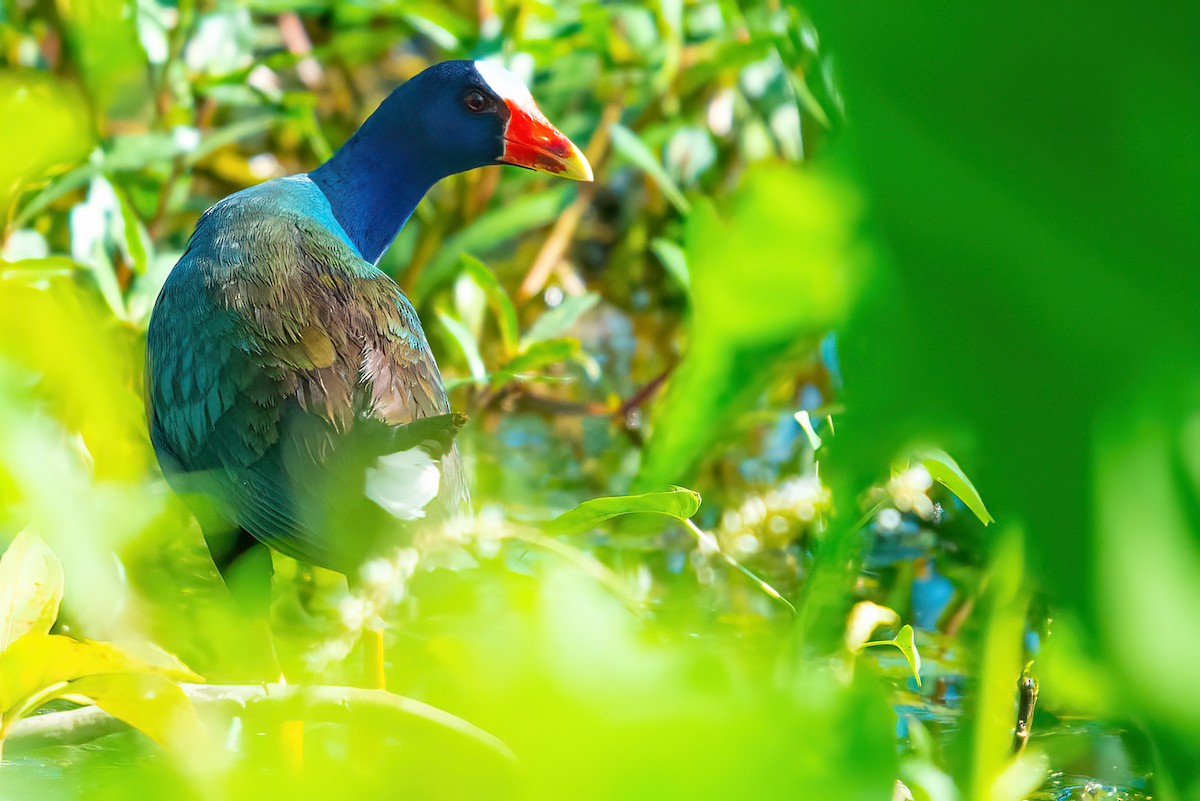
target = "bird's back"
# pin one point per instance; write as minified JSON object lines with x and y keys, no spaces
{"x":279,"y":366}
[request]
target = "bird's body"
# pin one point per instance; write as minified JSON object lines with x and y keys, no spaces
{"x":290,"y":356}
{"x":290,"y":386}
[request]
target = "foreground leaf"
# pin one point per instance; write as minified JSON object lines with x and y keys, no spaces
{"x":150,"y":702}
{"x":759,"y":300}
{"x":36,"y":662}
{"x":53,"y":135}
{"x":31,"y":588}
{"x":678,"y":503}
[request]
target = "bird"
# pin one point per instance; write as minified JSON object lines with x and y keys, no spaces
{"x":292,"y":397}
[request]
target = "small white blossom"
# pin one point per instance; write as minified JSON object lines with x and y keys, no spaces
{"x":909,"y":491}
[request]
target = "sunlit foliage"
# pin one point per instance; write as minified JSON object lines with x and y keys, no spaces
{"x":820,"y":280}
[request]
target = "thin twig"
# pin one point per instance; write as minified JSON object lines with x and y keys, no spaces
{"x":564,"y":229}
{"x":642,"y":395}
{"x":295,"y":39}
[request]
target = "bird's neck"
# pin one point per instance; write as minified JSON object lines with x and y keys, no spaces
{"x":373,"y":185}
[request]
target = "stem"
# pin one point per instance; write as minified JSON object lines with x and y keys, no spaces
{"x":587,"y":564}
{"x":709,"y":542}
{"x":1027,"y":686}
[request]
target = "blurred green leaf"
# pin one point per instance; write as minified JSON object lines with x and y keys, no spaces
{"x":678,"y":503}
{"x":31,"y":588}
{"x":767,"y":277}
{"x":985,"y":743}
{"x":103,"y":38}
{"x":136,"y":151}
{"x":53,"y":135}
{"x":806,"y":98}
{"x":97,"y":234}
{"x":536,"y":356}
{"x":1146,"y":508}
{"x":37,"y":662}
{"x":1045,"y":252}
{"x":502,"y":306}
{"x":466,"y":342}
{"x":673,"y":259}
{"x":489,"y":230}
{"x":629,"y":145}
{"x":558,"y":320}
{"x":136,"y":239}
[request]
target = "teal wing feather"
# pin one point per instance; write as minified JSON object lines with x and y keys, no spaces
{"x":279,"y":363}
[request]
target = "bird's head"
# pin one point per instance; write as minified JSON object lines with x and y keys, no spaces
{"x":471,"y":114}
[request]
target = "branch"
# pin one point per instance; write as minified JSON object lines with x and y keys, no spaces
{"x":327,"y":704}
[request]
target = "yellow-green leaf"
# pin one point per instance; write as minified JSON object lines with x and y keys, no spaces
{"x":54,"y":133}
{"x":679,"y":503}
{"x":150,"y":702}
{"x":31,"y":588}
{"x":38,"y":661}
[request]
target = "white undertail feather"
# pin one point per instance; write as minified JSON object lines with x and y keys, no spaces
{"x":404,"y":483}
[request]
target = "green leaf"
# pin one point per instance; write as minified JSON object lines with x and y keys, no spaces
{"x":226,"y":135}
{"x":559,"y":319}
{"x":997,"y":661}
{"x":103,"y":38}
{"x":906,"y":642}
{"x":988,"y":338}
{"x":808,"y":101}
{"x":137,"y":239}
{"x":502,"y":306}
{"x":679,"y":503}
{"x":489,"y":230}
{"x":944,"y":470}
{"x":629,"y":145}
{"x":536,"y":356}
{"x":466,"y":342}
{"x":31,"y":588}
{"x":673,"y":259}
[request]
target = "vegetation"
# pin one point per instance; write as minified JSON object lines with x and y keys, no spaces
{"x":853,"y":280}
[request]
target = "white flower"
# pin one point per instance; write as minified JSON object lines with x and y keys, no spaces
{"x":909,"y":491}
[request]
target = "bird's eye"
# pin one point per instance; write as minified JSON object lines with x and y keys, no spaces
{"x":475,"y":102}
